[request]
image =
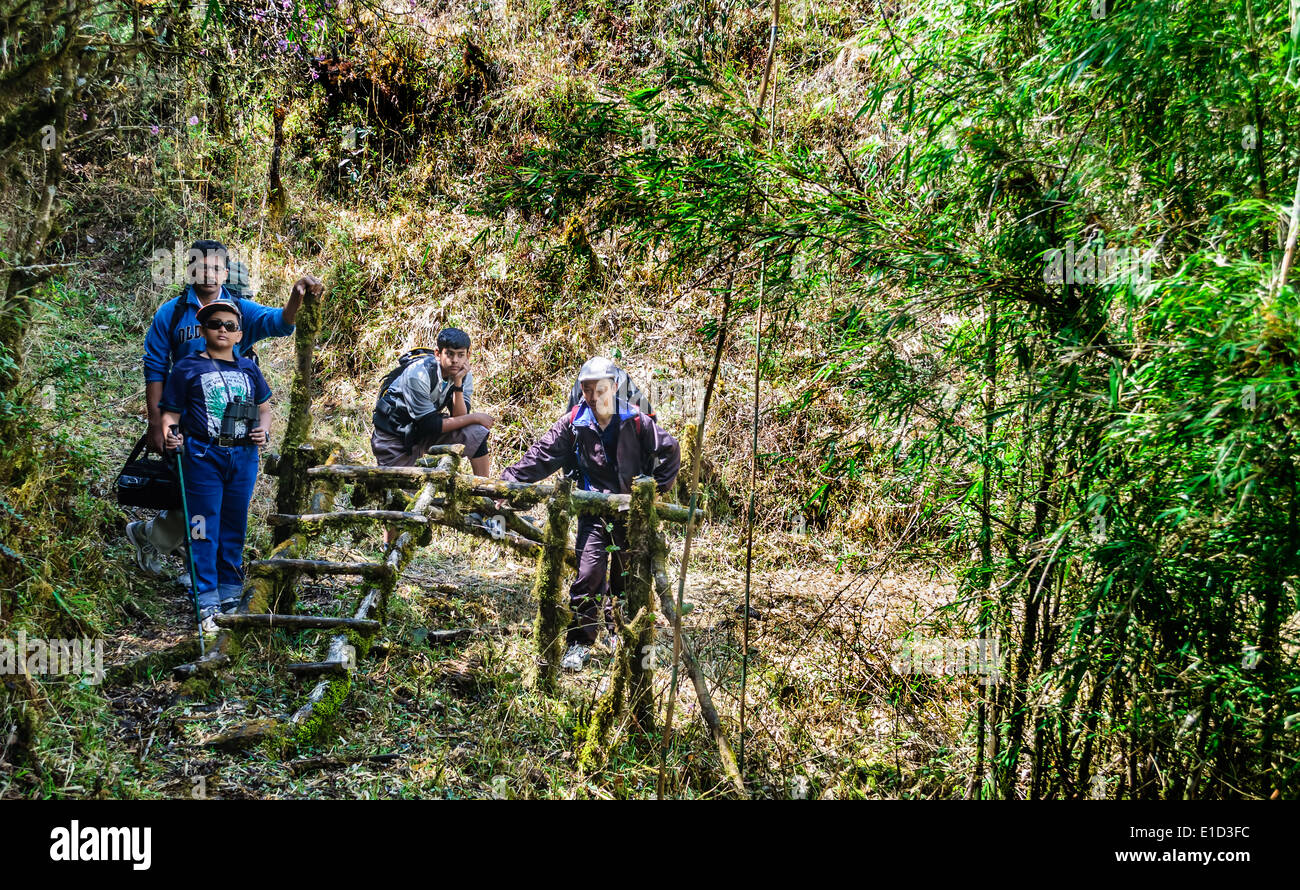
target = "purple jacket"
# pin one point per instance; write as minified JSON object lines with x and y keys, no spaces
{"x":644,"y":449}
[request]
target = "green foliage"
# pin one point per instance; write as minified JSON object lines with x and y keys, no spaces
{"x":1118,"y":450}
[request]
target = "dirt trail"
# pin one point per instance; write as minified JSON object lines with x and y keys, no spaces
{"x":451,"y":719}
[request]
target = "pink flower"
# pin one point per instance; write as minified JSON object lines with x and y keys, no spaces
{"x":154,"y":129}
{"x":193,"y":121}
{"x":315,"y":75}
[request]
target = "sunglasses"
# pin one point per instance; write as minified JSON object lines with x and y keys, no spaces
{"x":213,"y":324}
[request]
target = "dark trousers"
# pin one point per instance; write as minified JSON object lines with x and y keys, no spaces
{"x":588,"y":592}
{"x":219,"y":484}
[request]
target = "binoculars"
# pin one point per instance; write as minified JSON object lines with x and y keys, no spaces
{"x":238,"y":412}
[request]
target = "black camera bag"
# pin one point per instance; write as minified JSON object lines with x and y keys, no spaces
{"x":147,"y":481}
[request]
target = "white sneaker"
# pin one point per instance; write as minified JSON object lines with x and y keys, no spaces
{"x":147,"y":556}
{"x":209,"y":623}
{"x":576,"y":658}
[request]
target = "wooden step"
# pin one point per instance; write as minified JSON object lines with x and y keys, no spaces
{"x":346,"y":517}
{"x":324,"y":567}
{"x":297,"y":622}
{"x":379,"y":474}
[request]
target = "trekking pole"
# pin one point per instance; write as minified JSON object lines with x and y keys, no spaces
{"x":189,"y":550}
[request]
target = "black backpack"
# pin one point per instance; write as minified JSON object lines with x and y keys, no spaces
{"x":388,"y":416}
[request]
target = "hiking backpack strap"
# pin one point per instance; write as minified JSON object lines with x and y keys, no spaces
{"x":178,"y":312}
{"x":573,"y":466}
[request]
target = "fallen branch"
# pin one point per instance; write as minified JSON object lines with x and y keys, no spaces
{"x":345,"y":518}
{"x":297,"y":622}
{"x":308,"y":764}
{"x":322,"y":567}
{"x":708,"y":713}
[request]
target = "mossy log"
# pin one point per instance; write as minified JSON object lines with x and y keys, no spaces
{"x":307,"y":764}
{"x":216,"y":658}
{"x":294,"y":487}
{"x":529,"y":494}
{"x":517,"y":543}
{"x":610,"y":706}
{"x":205,"y":666}
{"x":486,"y":507}
{"x":309,"y":523}
{"x":250,"y":732}
{"x":642,"y":535}
{"x":327,"y":489}
{"x":297,"y":622}
{"x":322,"y":567}
{"x":389,"y":475}
{"x":154,"y":663}
{"x":261,"y":589}
{"x":298,"y":426}
{"x":708,"y":713}
{"x":552,"y":609}
{"x":291,"y":496}
{"x":517,"y":494}
{"x":310,"y":722}
{"x":421,"y":506}
{"x":444,"y":636}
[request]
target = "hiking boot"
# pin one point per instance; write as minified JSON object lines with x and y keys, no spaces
{"x":208,"y":622}
{"x":147,"y":556}
{"x":576,"y":658}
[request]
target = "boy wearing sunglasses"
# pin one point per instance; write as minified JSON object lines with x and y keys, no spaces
{"x":221,"y":403}
{"x":175,"y":334}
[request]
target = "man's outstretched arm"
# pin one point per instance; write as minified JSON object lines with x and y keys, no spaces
{"x":546,"y":455}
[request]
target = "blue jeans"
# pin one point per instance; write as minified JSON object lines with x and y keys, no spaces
{"x":218,"y":488}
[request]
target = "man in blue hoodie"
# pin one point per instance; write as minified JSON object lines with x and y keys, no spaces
{"x":175,"y":334}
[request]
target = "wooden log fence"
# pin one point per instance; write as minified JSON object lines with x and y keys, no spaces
{"x":308,"y":487}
